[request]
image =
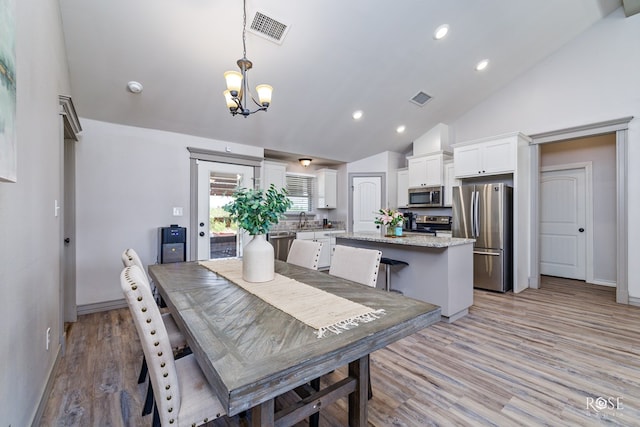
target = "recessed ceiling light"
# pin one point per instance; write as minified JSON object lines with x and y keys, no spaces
{"x":441,"y":31}
{"x":357,"y":114}
{"x":482,"y":65}
{"x":401,"y":128}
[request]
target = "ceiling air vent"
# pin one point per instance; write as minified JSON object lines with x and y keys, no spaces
{"x":420,"y":99}
{"x":269,"y":28}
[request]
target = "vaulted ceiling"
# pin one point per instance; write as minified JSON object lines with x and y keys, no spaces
{"x":338,"y":56}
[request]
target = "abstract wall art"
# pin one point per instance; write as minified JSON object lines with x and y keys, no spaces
{"x":8,"y":141}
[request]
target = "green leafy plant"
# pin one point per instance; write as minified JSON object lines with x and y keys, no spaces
{"x":256,"y":210}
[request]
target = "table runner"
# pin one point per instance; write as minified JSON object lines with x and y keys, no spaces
{"x":319,"y":309}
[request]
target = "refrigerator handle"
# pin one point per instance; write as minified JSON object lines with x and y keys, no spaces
{"x":471,"y":213}
{"x":475,"y":214}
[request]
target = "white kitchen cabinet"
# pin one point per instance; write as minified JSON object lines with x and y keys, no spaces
{"x":450,"y":181}
{"x":402,"y":181}
{"x":491,"y":157}
{"x":328,"y":240}
{"x":426,"y":171}
{"x":330,"y":235}
{"x":327,"y":197}
{"x":274,"y":173}
{"x":305,"y":235}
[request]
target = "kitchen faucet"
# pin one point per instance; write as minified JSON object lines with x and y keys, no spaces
{"x":300,"y":223}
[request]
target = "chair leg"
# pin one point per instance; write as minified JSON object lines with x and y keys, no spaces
{"x":156,"y":417}
{"x":143,"y":371}
{"x":148,"y":402}
{"x":387,"y":276}
{"x":369,"y":390}
{"x":314,"y":419}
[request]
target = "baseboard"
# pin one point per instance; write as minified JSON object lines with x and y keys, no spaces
{"x":101,"y":306}
{"x":603,"y":283}
{"x":634,"y":301}
{"x":48,"y":387}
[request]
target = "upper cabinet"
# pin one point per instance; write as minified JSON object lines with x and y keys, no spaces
{"x":486,"y":157}
{"x":450,"y":181}
{"x":427,"y":171}
{"x":274,"y":173}
{"x":327,"y":188}
{"x":402,"y":181}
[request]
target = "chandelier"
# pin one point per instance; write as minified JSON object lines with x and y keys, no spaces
{"x":238,"y":83}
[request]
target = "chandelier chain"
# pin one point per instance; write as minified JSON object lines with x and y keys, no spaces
{"x":238,"y":91}
{"x":244,"y":29}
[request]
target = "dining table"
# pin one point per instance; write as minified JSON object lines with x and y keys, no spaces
{"x":251,"y":351}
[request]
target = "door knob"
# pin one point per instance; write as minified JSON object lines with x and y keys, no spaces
{"x":581,"y":230}
{"x":202,"y":224}
{"x":67,"y":240}
{"x":201,"y":234}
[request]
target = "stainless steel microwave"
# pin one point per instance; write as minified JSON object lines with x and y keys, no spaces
{"x":426,"y":197}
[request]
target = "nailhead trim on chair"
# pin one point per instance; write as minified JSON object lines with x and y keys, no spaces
{"x":153,"y":334}
{"x":156,"y":337}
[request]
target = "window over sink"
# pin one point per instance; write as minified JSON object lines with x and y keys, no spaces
{"x":300,"y":189}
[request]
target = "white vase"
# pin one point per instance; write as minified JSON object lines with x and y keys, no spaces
{"x":258,"y":260}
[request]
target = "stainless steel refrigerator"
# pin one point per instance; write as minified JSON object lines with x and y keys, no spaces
{"x":485,"y":212}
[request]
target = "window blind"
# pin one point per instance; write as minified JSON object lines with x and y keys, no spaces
{"x":300,"y":192}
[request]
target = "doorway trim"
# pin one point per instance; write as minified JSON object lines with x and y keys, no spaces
{"x":69,"y":134}
{"x":588,"y":176}
{"x":383,"y":192}
{"x":621,"y":128}
{"x":199,"y":154}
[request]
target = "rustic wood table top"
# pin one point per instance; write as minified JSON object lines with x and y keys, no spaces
{"x":252,"y":352}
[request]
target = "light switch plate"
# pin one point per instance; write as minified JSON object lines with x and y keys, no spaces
{"x":177,"y":211}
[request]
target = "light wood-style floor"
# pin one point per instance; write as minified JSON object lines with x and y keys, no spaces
{"x":563,"y":355}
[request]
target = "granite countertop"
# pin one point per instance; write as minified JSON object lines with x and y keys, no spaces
{"x":305,"y":230}
{"x":409,"y":239}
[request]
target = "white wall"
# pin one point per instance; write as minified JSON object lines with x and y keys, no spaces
{"x":127,"y":182}
{"x":593,"y":78}
{"x":388,"y":162}
{"x":31,"y":243}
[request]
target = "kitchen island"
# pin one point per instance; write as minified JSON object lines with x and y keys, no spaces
{"x":440,"y":269}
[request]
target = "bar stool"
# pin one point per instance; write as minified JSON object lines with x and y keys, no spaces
{"x":388,"y":264}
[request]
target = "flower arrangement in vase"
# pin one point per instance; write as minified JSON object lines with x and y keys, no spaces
{"x":392,"y":220}
{"x":256,"y":211}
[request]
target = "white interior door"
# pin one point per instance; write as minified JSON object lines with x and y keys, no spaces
{"x":563,"y":223}
{"x":217,"y":237}
{"x":367,"y":194}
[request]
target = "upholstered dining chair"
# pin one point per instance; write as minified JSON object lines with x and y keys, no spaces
{"x":359,"y":265}
{"x":356,"y":264}
{"x":176,"y":338}
{"x":305,"y":253}
{"x":130,"y":257}
{"x":183,"y":396}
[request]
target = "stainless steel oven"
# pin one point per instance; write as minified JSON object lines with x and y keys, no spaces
{"x":426,"y":197}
